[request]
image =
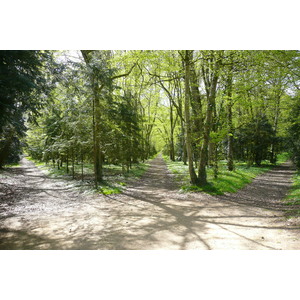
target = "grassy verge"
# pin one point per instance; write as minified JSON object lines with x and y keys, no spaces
{"x":15,"y":165}
{"x":227,"y":182}
{"x":293,"y":197}
{"x":115,"y":179}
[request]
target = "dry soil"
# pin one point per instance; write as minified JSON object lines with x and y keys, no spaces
{"x":38,"y":212}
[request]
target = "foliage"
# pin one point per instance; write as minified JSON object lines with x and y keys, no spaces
{"x":294,"y":131}
{"x":202,"y":107}
{"x":253,"y":140}
{"x":24,"y":86}
{"x":293,"y":197}
{"x":227,"y":182}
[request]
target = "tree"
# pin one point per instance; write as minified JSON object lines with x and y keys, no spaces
{"x":210,"y":73}
{"x":187,"y":57}
{"x":24,"y":89}
{"x":294,"y":130}
{"x":253,"y":140}
{"x":199,"y":106}
{"x":101,"y":79}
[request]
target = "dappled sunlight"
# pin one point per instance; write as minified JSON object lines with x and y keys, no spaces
{"x":150,"y":214}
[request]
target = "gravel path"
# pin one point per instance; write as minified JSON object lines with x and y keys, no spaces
{"x":37,"y":212}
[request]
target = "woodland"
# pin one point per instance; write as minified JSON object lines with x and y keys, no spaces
{"x":203,"y":108}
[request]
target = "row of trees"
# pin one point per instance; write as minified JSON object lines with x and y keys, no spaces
{"x":98,"y":114}
{"x":229,"y":104}
{"x":198,"y":106}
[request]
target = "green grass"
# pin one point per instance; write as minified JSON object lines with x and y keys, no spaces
{"x":106,"y":188}
{"x":15,"y":165}
{"x":137,"y":171}
{"x":293,"y":197}
{"x":115,"y":179}
{"x":282,"y":157}
{"x":227,"y":182}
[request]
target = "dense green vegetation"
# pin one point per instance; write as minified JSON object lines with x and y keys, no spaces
{"x":294,"y":195}
{"x":218,"y":115}
{"x":25,"y":86}
{"x":226,"y":181}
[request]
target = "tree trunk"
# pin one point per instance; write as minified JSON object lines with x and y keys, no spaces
{"x":98,"y":169}
{"x":273,"y":157}
{"x":73,"y":164}
{"x":210,"y":154}
{"x":211,"y":88}
{"x":230,"y":163}
{"x":188,"y":141}
{"x":172,"y":148}
{"x":216,"y":161}
{"x":184,"y":157}
{"x":197,"y":118}
{"x":81,"y":167}
{"x":67,"y":164}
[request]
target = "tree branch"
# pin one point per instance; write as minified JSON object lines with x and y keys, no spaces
{"x":125,"y":74}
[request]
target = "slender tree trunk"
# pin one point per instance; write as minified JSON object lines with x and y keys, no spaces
{"x":73,"y":164}
{"x":81,"y":166}
{"x":273,"y":158}
{"x":98,"y":167}
{"x":197,"y":118}
{"x":172,"y":149}
{"x":182,"y":123}
{"x":216,"y":161}
{"x":188,"y":140}
{"x":211,"y":87}
{"x":210,"y":154}
{"x":67,"y":164}
{"x":183,"y":143}
{"x":184,"y":157}
{"x":230,"y":163}
{"x":204,"y":149}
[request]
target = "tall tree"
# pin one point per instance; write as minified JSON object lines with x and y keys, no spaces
{"x":24,"y":88}
{"x":210,"y":72}
{"x":187,"y":59}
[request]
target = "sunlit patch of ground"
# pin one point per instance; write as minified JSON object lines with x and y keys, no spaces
{"x":48,"y":213}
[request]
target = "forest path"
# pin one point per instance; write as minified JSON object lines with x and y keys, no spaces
{"x":37,"y":212}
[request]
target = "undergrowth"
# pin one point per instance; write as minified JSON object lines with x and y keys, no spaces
{"x":115,"y":178}
{"x":293,"y":197}
{"x":227,"y":182}
{"x":10,"y":165}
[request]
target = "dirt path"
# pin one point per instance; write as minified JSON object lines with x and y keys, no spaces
{"x":37,"y":212}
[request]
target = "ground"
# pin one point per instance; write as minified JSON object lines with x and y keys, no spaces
{"x":38,"y":212}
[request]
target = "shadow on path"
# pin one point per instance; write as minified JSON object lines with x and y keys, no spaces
{"x":150,"y":214}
